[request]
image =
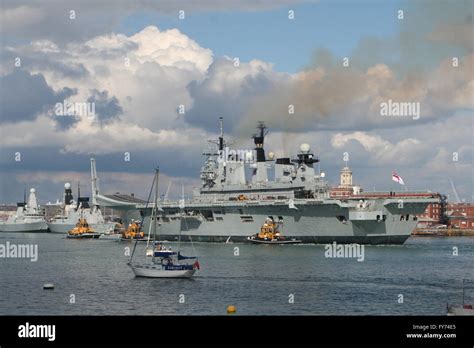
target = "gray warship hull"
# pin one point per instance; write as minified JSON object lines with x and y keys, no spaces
{"x":311,"y":221}
{"x":231,"y":207}
{"x":35,"y":226}
{"x":64,"y":228}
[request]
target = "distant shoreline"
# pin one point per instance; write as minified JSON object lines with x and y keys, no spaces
{"x":443,"y":232}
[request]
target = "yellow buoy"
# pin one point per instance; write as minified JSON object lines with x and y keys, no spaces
{"x":231,"y":309}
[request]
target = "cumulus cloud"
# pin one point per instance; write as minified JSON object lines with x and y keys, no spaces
{"x":138,"y":83}
{"x":404,"y":152}
{"x":24,"y":95}
{"x":140,"y":80}
{"x":228,"y":90}
{"x":106,"y":109}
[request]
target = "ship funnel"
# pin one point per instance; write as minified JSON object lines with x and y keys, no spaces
{"x":221,"y":136}
{"x":260,"y":174}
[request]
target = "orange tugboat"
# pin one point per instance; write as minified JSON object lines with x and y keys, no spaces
{"x":134,"y":232}
{"x":270,"y":234}
{"x":82,"y":230}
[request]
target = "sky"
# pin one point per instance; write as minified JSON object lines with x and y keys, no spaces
{"x":139,"y":63}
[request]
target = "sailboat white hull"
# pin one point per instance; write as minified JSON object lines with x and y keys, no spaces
{"x":151,"y":271}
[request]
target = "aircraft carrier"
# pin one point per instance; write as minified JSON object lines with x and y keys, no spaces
{"x":230,"y":207}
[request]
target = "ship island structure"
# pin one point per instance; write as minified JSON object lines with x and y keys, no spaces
{"x":228,"y":206}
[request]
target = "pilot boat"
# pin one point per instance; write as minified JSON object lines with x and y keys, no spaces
{"x":134,"y":232}
{"x":82,"y":230}
{"x":270,"y":234}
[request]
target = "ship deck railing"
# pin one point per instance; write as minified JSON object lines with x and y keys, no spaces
{"x":400,"y":194}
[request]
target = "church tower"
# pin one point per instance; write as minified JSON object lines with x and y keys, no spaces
{"x":346,"y":177}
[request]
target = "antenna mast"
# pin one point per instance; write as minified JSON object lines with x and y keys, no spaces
{"x":221,"y":135}
{"x":155,"y":208}
{"x":455,"y":191}
{"x":94,"y":182}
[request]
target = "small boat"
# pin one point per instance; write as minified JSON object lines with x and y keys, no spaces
{"x":134,"y":232}
{"x":156,"y":271}
{"x":270,"y":234}
{"x":165,"y":262}
{"x":82,"y":230}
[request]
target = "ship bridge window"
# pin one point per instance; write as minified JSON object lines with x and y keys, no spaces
{"x":246,"y":218}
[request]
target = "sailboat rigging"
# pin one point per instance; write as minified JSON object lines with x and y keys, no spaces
{"x":165,"y":262}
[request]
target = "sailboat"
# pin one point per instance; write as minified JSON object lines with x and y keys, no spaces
{"x":165,"y":262}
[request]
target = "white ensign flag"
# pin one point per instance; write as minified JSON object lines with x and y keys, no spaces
{"x":397,"y":178}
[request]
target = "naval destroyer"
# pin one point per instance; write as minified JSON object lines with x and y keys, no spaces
{"x":229,"y":207}
{"x":29,"y":217}
{"x":72,"y":212}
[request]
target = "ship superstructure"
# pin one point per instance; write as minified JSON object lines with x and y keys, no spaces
{"x":72,"y":212}
{"x":229,"y":206}
{"x":29,"y":217}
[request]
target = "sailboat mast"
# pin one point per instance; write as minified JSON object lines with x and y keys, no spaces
{"x":94,"y":182}
{"x":181,"y":216}
{"x":78,"y":194}
{"x":155,"y":207}
{"x":463,"y":290}
{"x":143,"y":216}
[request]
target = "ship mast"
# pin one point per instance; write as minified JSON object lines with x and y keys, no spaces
{"x":221,"y":136}
{"x":155,"y":207}
{"x":94,"y":182}
{"x":78,"y":194}
{"x":260,"y":171}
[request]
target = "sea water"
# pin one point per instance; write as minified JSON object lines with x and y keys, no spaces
{"x":91,"y":277}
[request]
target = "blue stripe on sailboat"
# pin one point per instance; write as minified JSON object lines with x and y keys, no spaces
{"x":164,"y":253}
{"x":182,"y":257}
